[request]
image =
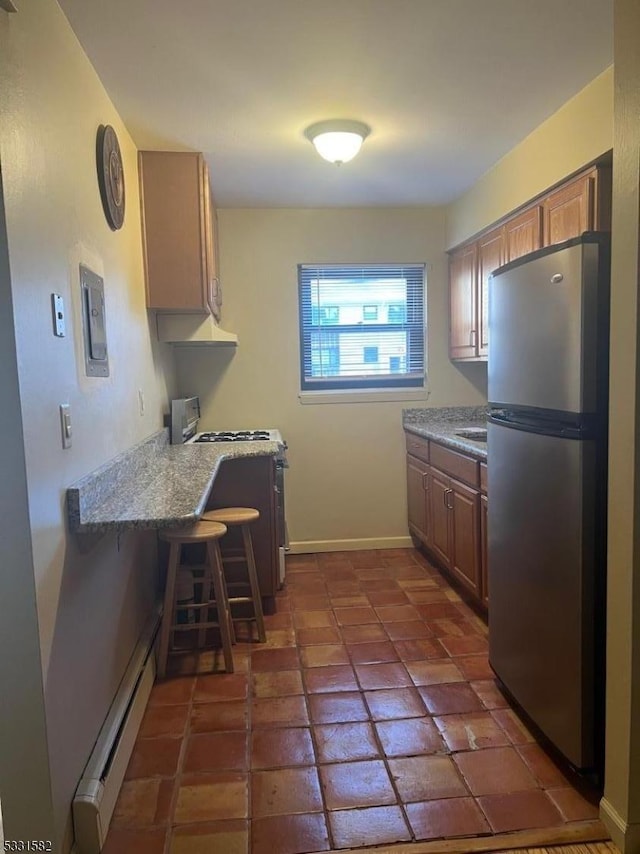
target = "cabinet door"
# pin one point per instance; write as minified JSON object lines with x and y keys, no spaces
{"x":464,"y":504}
{"x":440,"y":539}
{"x":417,"y":489}
{"x":569,"y":211}
{"x":210,"y":241}
{"x":484,"y":507}
{"x":490,"y":256}
{"x":174,"y":227}
{"x":462,"y":303}
{"x":523,"y":233}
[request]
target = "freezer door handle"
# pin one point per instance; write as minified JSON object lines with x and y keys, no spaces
{"x":585,"y":427}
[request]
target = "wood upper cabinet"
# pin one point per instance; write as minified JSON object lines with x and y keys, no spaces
{"x":491,"y":255}
{"x":569,"y":211}
{"x":462,"y":303}
{"x":469,"y":271}
{"x":178,"y":230}
{"x":581,"y":204}
{"x":523,"y":233}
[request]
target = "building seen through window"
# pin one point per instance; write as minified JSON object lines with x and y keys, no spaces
{"x":361,"y":327}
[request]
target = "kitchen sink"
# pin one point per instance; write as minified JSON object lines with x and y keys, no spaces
{"x":479,"y":434}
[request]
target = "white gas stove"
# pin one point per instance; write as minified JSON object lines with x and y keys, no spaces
{"x":238,"y":436}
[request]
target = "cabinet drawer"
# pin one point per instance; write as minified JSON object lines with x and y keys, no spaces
{"x":458,"y":465}
{"x":417,"y":447}
{"x":483,"y":477}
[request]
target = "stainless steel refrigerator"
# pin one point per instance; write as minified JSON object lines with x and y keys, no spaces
{"x":547,"y":449}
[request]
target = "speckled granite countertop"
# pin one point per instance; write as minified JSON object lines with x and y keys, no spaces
{"x":443,"y":423}
{"x":153,"y":485}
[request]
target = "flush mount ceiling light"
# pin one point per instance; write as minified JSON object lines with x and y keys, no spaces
{"x":337,"y":140}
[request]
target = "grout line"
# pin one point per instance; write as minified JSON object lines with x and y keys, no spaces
{"x":312,"y":733}
{"x":481,"y":842}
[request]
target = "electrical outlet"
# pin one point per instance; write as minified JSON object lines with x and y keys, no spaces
{"x":140,"y":401}
{"x":65,"y":424}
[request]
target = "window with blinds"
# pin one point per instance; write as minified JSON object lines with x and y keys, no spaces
{"x":361,"y":326}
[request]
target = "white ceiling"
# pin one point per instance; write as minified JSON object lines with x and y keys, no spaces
{"x":447,"y":86}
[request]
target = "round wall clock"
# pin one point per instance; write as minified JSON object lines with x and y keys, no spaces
{"x":110,"y":176}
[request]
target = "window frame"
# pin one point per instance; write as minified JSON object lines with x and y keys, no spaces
{"x":415,"y":329}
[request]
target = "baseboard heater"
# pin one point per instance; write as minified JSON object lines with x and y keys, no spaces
{"x":99,"y":786}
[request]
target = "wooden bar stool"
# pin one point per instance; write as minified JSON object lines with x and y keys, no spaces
{"x":212,"y":573}
{"x":242,"y":517}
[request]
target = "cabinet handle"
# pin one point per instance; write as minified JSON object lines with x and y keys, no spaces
{"x":444,"y":498}
{"x":425,"y":482}
{"x":446,"y":502}
{"x":472,"y":337}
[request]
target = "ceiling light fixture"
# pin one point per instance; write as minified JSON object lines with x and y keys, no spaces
{"x":337,"y":140}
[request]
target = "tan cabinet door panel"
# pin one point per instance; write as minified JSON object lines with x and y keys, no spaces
{"x":523,"y":233}
{"x":490,"y":257}
{"x":569,"y":211}
{"x":465,"y":545}
{"x":484,"y":509}
{"x":462,"y":303}
{"x":417,"y":477}
{"x":440,"y":540}
{"x":178,"y":222}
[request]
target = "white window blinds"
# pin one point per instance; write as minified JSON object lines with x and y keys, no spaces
{"x":361,"y":326}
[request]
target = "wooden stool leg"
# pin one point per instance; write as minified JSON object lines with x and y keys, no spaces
{"x":169,"y":605}
{"x":253,"y":582}
{"x":222,"y":605}
{"x":203,"y":616}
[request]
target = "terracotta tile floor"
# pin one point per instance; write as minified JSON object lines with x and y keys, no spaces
{"x":370,"y":716}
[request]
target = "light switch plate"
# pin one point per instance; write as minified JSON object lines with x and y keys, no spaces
{"x":65,"y":425}
{"x":57,"y":306}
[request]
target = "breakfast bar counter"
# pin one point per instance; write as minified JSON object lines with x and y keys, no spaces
{"x":153,"y":485}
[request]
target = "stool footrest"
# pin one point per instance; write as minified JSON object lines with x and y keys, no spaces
{"x":189,"y":627}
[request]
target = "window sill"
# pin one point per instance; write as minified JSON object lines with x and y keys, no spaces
{"x":365,"y":395}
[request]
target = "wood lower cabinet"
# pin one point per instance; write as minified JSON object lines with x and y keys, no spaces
{"x":417,"y":486}
{"x":250,"y":482}
{"x":445,"y":514}
{"x":464,"y":507}
{"x":441,"y":531}
{"x":484,"y":562}
{"x":179,"y":235}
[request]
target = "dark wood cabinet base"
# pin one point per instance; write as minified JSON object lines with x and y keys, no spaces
{"x":250,"y":482}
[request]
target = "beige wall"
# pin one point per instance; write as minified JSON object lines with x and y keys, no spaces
{"x":347,"y":475}
{"x":621,"y":807}
{"x":579,"y":132}
{"x":91,"y":600}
